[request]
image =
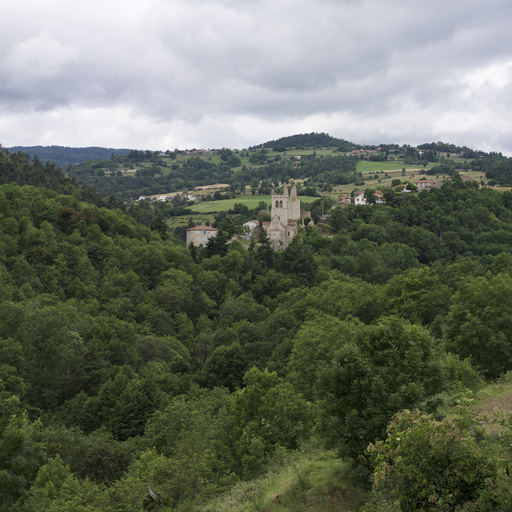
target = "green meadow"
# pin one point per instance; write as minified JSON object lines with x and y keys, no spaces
{"x":397,"y":165}
{"x":248,"y":200}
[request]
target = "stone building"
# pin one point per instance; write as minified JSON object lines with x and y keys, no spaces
{"x":199,"y":235}
{"x":285,"y":218}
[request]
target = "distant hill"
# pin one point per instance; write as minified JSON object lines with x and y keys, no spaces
{"x":307,"y":141}
{"x":64,"y":156}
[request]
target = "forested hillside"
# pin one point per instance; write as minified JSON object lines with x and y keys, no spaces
{"x":65,"y":156}
{"x":313,"y":160}
{"x":128,"y":360}
{"x":150,"y":172}
{"x":307,"y":141}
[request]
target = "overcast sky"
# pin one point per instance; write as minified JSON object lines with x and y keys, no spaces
{"x":165,"y":74}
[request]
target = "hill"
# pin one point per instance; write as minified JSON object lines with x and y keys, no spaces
{"x":64,"y":156}
{"x":307,"y":141}
{"x":128,"y":359}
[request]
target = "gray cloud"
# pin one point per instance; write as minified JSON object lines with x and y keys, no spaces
{"x":176,"y":73}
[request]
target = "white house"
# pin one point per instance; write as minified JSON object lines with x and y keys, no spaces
{"x":359,"y":197}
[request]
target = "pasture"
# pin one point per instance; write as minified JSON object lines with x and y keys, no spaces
{"x":248,"y":200}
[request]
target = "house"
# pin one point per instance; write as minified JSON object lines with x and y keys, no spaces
{"x":199,"y":235}
{"x":359,"y":198}
{"x":154,"y":199}
{"x":423,"y":184}
{"x":344,"y":201}
{"x":249,"y":227}
{"x":379,"y":198}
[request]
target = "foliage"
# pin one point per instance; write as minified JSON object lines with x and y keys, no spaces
{"x":267,"y":413}
{"x":128,"y":359}
{"x":64,"y":156}
{"x":393,"y":365}
{"x":425,"y":464}
{"x":308,"y":140}
{"x":481,"y":311}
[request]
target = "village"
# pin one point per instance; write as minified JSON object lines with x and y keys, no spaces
{"x":286,"y":214}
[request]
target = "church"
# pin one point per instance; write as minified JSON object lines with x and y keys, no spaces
{"x":285,"y":218}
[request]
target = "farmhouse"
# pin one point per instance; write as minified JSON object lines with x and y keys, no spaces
{"x":423,"y":184}
{"x":360,"y":198}
{"x":199,"y":235}
{"x":345,"y":201}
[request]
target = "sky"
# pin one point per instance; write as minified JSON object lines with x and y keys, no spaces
{"x":166,"y":74}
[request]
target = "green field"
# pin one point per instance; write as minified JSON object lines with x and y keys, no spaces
{"x":397,"y":165}
{"x":300,"y":152}
{"x":182,"y":221}
{"x":227,"y":204}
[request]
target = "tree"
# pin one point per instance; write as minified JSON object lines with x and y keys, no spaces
{"x":225,"y":367}
{"x":298,"y":259}
{"x":21,"y":453}
{"x":479,"y":324}
{"x":217,"y":245}
{"x":314,"y":346}
{"x":378,"y":371}
{"x":264,"y":252}
{"x":418,"y":295}
{"x":369,"y":195}
{"x":424,"y":464}
{"x":54,"y":353}
{"x":159,"y":225}
{"x":267,"y":413}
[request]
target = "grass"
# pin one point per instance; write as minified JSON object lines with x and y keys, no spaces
{"x":248,"y":200}
{"x":382,"y":182}
{"x":312,"y":481}
{"x":398,"y":165}
{"x":198,"y":219}
{"x":411,"y":174}
{"x":297,"y":152}
{"x":495,"y":396}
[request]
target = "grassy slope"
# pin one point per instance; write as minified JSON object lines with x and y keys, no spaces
{"x":495,"y":397}
{"x":364,"y":166}
{"x":315,"y":480}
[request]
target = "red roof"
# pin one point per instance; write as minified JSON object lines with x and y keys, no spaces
{"x":202,"y":228}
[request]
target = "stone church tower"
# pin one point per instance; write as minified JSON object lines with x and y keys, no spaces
{"x":293,"y":205}
{"x":285,"y":217}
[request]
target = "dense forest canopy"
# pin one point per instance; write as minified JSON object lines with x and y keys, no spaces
{"x":128,"y":359}
{"x":307,"y":141}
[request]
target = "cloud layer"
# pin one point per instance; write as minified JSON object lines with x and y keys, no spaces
{"x":161,"y":74}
